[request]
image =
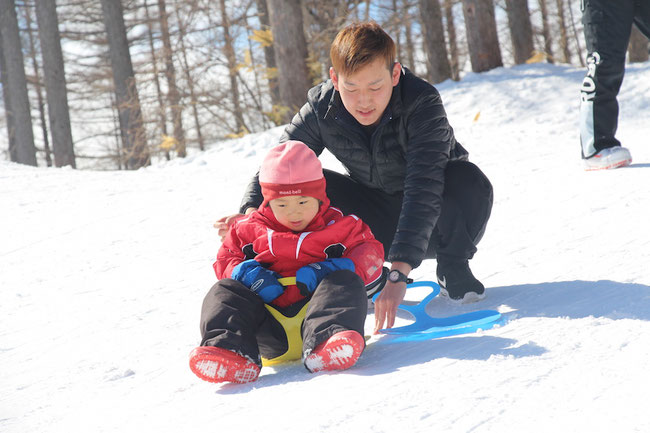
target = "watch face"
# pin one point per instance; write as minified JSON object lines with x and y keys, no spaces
{"x":393,"y":276}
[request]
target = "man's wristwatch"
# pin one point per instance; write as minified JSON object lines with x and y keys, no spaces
{"x":396,"y":276}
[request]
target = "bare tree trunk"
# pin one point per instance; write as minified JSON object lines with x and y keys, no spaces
{"x":576,"y":36}
{"x":172,"y":92}
{"x":117,"y":131}
{"x":24,"y":151}
{"x":126,"y":92}
{"x":258,"y":96}
{"x":482,"y":40}
{"x":55,"y":83}
{"x":269,"y":54}
{"x":564,"y":38}
{"x":367,"y":14}
{"x":11,"y":127}
{"x":397,"y":34}
{"x":638,"y":48}
{"x":435,"y":46}
{"x":323,"y":21}
{"x":521,"y":31}
{"x":410,"y":55}
{"x":36,"y":81}
{"x":190,"y":80}
{"x":453,"y":44}
{"x":290,"y":53}
{"x":229,"y":51}
{"x":546,"y":32}
{"x":162,"y":115}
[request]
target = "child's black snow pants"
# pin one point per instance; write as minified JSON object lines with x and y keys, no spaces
{"x":234,"y":318}
{"x":607,"y":27}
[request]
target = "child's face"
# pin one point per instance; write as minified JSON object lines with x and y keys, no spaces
{"x":295,"y":212}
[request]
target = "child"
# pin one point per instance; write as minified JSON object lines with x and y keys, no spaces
{"x":294,"y":232}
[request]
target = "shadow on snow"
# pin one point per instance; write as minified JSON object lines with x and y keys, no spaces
{"x":564,"y":299}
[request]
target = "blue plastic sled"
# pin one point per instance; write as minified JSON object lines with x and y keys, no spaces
{"x":426,"y":327}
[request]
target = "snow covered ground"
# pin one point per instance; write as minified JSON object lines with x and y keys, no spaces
{"x":102,"y":275}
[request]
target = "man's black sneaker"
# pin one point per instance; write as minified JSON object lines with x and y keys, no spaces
{"x":457,"y":282}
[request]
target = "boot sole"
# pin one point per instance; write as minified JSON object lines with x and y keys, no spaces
{"x":619,"y":164}
{"x":338,"y":353}
{"x":219,"y":365}
{"x":468,"y":298}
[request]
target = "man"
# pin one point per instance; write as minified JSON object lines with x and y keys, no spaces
{"x":409,"y":179}
{"x":607,"y":26}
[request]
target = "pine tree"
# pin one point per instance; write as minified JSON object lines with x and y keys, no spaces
{"x":173,"y":95}
{"x":23,"y":150}
{"x":126,"y":93}
{"x":290,"y":49}
{"x":521,"y":31}
{"x":482,"y":40}
{"x":435,"y":46}
{"x":55,"y":83}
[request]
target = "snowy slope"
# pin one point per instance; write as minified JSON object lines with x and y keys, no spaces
{"x":102,"y":275}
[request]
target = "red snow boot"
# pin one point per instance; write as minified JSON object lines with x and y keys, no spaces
{"x":215,"y":364}
{"x":339,"y":352}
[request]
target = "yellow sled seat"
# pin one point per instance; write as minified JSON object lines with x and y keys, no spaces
{"x":292,"y":327}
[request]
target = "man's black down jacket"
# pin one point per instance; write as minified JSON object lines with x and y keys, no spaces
{"x":408,"y":153}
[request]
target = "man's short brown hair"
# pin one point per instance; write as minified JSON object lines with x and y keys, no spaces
{"x":359,"y":44}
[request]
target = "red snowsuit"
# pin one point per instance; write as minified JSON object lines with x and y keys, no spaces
{"x":329,"y":235}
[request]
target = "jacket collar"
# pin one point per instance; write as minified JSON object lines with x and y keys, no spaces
{"x":335,"y":101}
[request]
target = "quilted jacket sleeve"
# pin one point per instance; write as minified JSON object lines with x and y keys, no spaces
{"x":252,"y":196}
{"x":430,"y":138}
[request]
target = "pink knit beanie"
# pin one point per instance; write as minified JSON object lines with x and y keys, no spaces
{"x":292,"y":168}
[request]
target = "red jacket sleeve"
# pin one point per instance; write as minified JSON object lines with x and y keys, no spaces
{"x":365,"y":251}
{"x":230,"y":254}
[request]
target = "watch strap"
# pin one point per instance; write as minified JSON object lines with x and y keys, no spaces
{"x":401,"y":277}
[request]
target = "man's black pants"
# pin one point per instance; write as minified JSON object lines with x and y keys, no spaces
{"x":607,"y":27}
{"x":466,"y":207}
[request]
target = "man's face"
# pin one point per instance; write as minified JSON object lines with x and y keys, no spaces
{"x":366,"y":92}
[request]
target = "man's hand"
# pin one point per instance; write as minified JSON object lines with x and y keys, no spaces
{"x":389,"y":299}
{"x":386,"y":304}
{"x":223,"y":224}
